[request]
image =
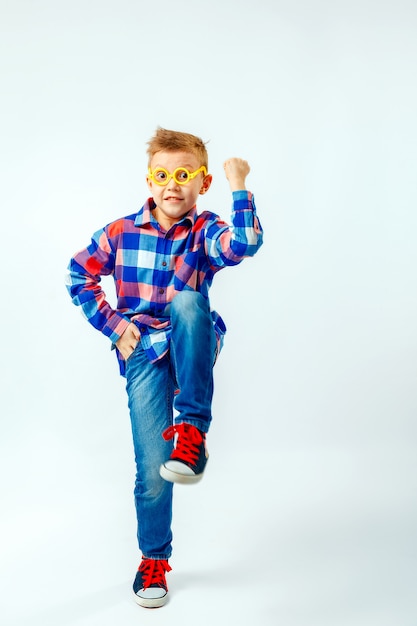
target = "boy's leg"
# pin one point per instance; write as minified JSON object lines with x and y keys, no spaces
{"x":193,"y":349}
{"x":150,"y":389}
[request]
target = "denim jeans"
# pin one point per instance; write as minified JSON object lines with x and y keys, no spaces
{"x":153,"y":395}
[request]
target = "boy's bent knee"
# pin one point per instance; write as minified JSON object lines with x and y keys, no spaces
{"x":185,"y":301}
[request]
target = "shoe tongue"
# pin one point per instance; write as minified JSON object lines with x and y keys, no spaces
{"x":193,"y":433}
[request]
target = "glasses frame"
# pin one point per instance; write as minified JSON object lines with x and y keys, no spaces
{"x":191,"y":175}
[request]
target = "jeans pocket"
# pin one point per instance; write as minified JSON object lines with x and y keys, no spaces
{"x":133,"y":352}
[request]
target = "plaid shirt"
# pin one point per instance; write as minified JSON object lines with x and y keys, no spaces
{"x":150,"y":266}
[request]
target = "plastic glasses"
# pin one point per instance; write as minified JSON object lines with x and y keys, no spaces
{"x":181,"y":175}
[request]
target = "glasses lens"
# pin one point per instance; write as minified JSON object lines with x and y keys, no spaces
{"x":160,"y":176}
{"x":181,"y":175}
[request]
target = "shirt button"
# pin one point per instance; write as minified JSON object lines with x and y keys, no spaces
{"x":164,"y":263}
{"x":161,"y":290}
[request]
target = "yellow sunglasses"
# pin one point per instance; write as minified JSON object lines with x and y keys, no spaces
{"x":181,"y":175}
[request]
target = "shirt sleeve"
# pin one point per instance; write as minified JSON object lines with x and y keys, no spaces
{"x":229,"y":245}
{"x":83,"y":283}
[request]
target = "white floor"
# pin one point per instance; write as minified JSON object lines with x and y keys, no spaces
{"x":299,"y":537}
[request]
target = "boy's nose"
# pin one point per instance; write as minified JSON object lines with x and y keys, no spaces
{"x":173,"y":184}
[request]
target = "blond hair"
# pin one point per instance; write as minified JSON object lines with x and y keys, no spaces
{"x":172,"y":141}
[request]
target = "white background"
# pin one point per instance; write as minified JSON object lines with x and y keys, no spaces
{"x":307,"y":513}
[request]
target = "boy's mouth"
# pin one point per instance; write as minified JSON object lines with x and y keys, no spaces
{"x":173,"y":199}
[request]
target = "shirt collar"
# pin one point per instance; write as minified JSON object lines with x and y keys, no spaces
{"x":145,"y":215}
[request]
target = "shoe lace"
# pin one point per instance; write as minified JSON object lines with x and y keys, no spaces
{"x":188,"y":443}
{"x":153,"y":572}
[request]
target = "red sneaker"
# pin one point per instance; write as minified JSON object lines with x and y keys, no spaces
{"x":150,"y":587}
{"x":189,"y":457}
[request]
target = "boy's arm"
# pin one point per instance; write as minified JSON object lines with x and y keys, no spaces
{"x":83,"y":283}
{"x":229,"y":245}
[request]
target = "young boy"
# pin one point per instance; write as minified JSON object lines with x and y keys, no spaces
{"x":163,"y":260}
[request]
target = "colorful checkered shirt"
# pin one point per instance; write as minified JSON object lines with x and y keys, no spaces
{"x":150,"y":265}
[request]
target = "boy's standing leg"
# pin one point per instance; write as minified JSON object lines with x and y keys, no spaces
{"x":193,"y":352}
{"x":150,"y":389}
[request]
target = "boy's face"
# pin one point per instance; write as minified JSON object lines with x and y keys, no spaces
{"x":173,"y":201}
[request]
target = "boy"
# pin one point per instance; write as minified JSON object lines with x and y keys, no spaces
{"x":163,"y":260}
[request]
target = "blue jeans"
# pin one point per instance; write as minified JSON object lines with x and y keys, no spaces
{"x":151,"y":389}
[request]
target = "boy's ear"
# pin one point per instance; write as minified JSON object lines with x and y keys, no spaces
{"x":205,"y":186}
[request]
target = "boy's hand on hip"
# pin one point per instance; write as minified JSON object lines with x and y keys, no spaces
{"x":128,"y":341}
{"x":236,"y":171}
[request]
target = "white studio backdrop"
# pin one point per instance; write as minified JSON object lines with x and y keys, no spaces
{"x":307,"y":515}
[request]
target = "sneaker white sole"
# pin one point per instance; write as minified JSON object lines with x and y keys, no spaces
{"x":173,"y":476}
{"x":150,"y":603}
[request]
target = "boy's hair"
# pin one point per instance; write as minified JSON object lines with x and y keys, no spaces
{"x":172,"y":140}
